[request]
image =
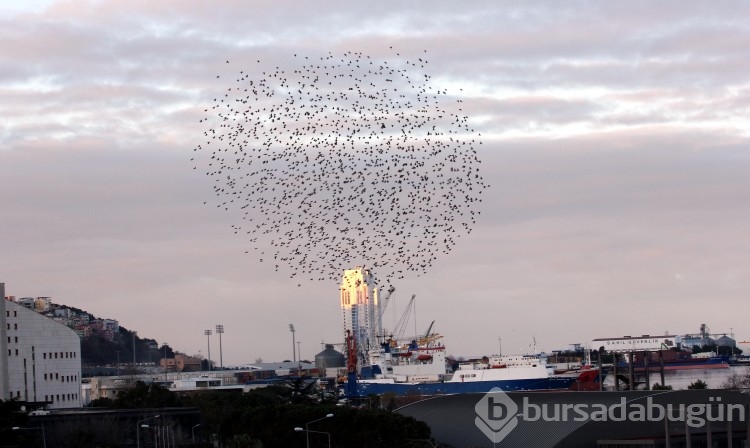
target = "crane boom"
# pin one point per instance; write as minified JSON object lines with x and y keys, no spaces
{"x":398,"y":331}
{"x":381,"y":309}
{"x":427,"y":333}
{"x":383,"y":304}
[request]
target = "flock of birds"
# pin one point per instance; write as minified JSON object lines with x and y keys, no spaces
{"x":337,"y":161}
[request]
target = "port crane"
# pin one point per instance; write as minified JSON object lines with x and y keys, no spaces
{"x":400,"y":328}
{"x":428,"y":337}
{"x":382,"y":305}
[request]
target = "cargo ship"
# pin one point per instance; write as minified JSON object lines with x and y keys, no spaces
{"x":670,"y":360}
{"x":379,"y":364}
{"x":420,"y":369}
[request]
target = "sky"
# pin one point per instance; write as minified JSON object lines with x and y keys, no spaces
{"x":614,"y":143}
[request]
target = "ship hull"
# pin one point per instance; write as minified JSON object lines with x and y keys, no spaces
{"x":365,"y":388}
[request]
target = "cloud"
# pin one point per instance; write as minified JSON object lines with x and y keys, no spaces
{"x":614,"y":137}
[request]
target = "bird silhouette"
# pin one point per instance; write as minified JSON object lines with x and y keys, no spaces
{"x":339,"y":160}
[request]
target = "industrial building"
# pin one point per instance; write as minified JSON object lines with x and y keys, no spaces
{"x":40,"y":359}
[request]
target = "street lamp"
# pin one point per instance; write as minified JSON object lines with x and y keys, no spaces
{"x":44,"y":437}
{"x":294,"y":356}
{"x":220,"y":331}
{"x":208,"y":338}
{"x":307,"y":430}
{"x":144,"y":426}
{"x":138,"y":427}
{"x":192,"y":431}
{"x":298,"y":429}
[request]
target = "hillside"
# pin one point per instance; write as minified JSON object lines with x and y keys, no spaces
{"x":97,"y":350}
{"x":103,"y":341}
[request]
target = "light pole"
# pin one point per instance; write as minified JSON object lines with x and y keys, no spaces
{"x":307,"y":431}
{"x":138,"y":427}
{"x":208,"y":339}
{"x":192,"y":431}
{"x":294,"y":356}
{"x":220,"y":331}
{"x":44,"y":437}
{"x":299,"y":356}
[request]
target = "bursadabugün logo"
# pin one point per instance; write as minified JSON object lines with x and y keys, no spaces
{"x":496,"y":415}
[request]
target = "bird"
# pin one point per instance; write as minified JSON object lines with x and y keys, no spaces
{"x":339,"y":159}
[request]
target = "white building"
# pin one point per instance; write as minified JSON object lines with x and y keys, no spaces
{"x":26,"y":302}
{"x":359,"y":304}
{"x":40,"y":359}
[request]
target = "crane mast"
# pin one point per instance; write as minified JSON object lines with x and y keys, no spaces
{"x":400,"y":328}
{"x":382,"y":305}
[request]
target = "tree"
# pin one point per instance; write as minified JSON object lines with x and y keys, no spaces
{"x":265,"y":417}
{"x":738,"y":382}
{"x":698,"y":384}
{"x":244,"y":441}
{"x":302,"y":388}
{"x":144,"y":395}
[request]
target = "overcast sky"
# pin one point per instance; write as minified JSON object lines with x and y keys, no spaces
{"x":614,"y":140}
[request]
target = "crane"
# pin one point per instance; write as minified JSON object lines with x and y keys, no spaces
{"x":427,"y":333}
{"x":382,"y":305}
{"x":428,"y":337}
{"x":398,"y":331}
